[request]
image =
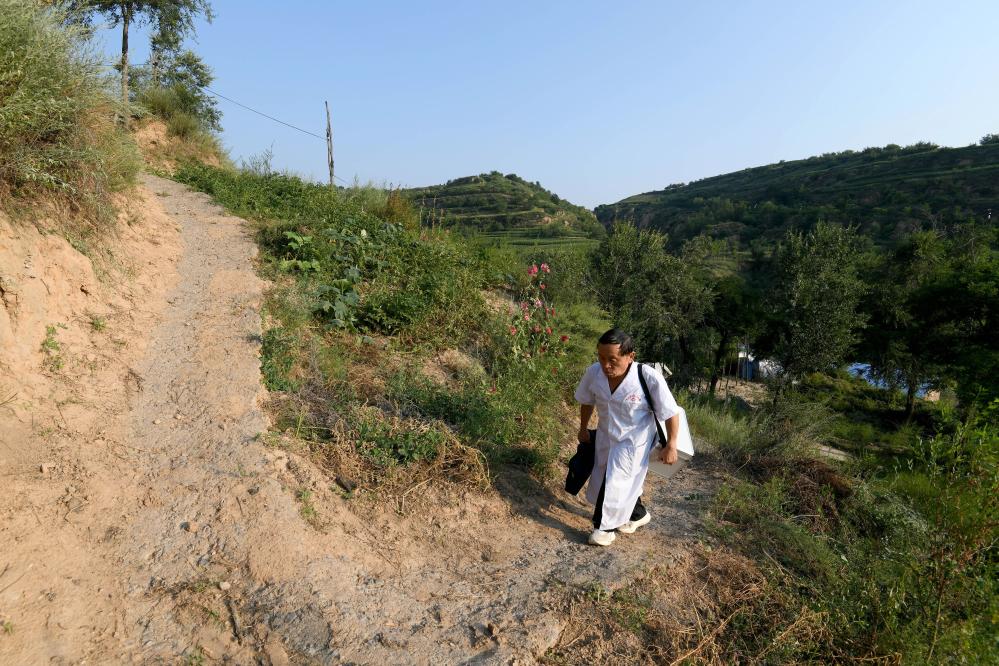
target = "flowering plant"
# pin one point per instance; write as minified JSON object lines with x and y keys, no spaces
{"x":532,"y":320}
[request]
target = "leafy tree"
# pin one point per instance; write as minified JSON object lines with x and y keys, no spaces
{"x":174,"y":20}
{"x":936,"y":303}
{"x":899,"y":348}
{"x":960,"y":311}
{"x":989,"y":139}
{"x":181,"y":90}
{"x":734,"y":314}
{"x":656,"y":296}
{"x":816,"y":292}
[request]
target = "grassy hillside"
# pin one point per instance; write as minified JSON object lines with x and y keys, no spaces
{"x":59,"y":147}
{"x":492,"y":202}
{"x":889,"y":192}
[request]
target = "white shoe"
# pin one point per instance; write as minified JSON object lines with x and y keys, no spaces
{"x":601,"y":538}
{"x":632,"y":525}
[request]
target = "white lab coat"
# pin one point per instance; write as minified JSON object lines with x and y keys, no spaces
{"x":626,"y":435}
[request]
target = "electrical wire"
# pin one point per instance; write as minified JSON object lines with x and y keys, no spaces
{"x":260,"y":113}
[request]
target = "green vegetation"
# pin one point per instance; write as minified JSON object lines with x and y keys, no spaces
{"x":493,"y":203}
{"x":812,"y":563}
{"x":889,"y":192}
{"x":367,"y":303}
{"x":52,"y":348}
{"x":173,"y":20}
{"x":395,"y":351}
{"x":176,"y":95}
{"x":897,"y":562}
{"x":58,"y":141}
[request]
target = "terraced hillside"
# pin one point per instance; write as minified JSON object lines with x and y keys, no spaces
{"x":493,"y":202}
{"x":888,"y":192}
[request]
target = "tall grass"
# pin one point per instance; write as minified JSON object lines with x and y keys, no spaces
{"x":888,"y":566}
{"x":57,"y":131}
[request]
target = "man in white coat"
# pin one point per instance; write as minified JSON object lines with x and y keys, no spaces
{"x":626,"y":434}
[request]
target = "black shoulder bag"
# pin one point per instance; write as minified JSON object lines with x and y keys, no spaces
{"x":652,"y":405}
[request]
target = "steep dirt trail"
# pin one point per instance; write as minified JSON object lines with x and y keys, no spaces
{"x":196,"y":543}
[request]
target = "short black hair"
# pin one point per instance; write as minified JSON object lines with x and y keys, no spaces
{"x":616,"y":336}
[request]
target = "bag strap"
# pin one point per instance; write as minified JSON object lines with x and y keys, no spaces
{"x":652,"y":405}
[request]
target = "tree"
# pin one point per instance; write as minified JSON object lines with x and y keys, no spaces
{"x":936,"y":304}
{"x":652,"y":294}
{"x":186,"y":75}
{"x":174,"y":20}
{"x":989,"y":139}
{"x":960,"y":310}
{"x":900,"y":349}
{"x":734,"y":314}
{"x":815,"y":296}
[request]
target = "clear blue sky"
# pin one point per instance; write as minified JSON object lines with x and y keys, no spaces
{"x":596,"y":100}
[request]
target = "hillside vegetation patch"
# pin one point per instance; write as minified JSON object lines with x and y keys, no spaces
{"x":58,"y":139}
{"x":364,"y":301}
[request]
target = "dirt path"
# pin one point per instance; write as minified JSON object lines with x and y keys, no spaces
{"x":192,"y":541}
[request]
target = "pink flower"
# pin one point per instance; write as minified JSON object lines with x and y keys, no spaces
{"x":545,"y":268}
{"x":527,"y":317}
{"x":492,"y":389}
{"x":523,"y":305}
{"x":541,"y":286}
{"x":538,"y":303}
{"x":513,"y":330}
{"x":533,"y":270}
{"x":548,"y":330}
{"x":564,"y":338}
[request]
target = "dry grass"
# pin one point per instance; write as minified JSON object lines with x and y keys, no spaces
{"x":164,"y":151}
{"x":696,"y":609}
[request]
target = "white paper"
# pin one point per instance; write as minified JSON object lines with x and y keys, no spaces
{"x":661,"y":469}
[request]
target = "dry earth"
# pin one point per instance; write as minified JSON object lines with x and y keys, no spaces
{"x":143,"y":519}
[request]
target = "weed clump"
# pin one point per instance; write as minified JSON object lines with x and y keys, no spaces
{"x":58,"y":137}
{"x":890,"y":563}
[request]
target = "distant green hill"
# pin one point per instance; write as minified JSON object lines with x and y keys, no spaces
{"x":493,"y":202}
{"x":888,"y":192}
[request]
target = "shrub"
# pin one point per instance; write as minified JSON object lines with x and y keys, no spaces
{"x":57,"y":132}
{"x":183,"y":125}
{"x":898,"y":567}
{"x":162,"y":102}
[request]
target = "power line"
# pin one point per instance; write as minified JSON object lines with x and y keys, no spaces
{"x":260,"y":113}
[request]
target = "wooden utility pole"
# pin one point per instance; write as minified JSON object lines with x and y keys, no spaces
{"x":126,"y":18}
{"x":329,"y":144}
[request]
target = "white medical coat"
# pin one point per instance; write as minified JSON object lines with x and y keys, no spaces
{"x":626,"y":434}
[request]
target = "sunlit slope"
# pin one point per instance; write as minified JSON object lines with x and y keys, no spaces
{"x":493,"y":202}
{"x":887,"y":192}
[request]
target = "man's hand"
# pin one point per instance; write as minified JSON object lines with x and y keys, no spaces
{"x":669,"y":456}
{"x":583,"y":435}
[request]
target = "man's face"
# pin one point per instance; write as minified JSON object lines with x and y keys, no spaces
{"x":612,"y":362}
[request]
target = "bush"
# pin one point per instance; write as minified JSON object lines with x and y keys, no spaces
{"x":899,"y":567}
{"x":162,"y":102}
{"x":183,"y":126}
{"x":57,"y":131}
